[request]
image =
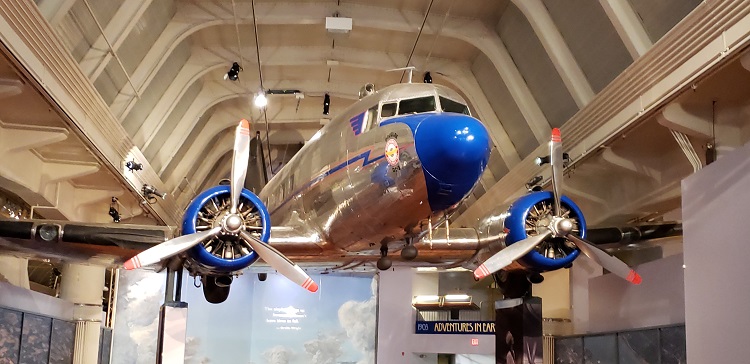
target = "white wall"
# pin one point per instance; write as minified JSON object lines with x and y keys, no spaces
{"x":716,"y":207}
{"x":615,"y":304}
{"x":582,"y":271}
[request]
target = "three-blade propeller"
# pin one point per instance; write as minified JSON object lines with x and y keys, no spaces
{"x":559,"y":226}
{"x":233,"y":224}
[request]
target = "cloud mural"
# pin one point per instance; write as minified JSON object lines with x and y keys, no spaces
{"x":326,"y":349}
{"x":359,"y":322}
{"x":271,"y":322}
{"x":192,"y":351}
{"x":137,"y":319}
{"x":278,"y":355}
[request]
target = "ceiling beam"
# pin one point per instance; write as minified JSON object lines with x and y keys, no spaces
{"x":705,"y":39}
{"x":519,"y":90}
{"x":116,"y":31}
{"x":191,"y":18}
{"x":204,"y":61}
{"x":557,"y":50}
{"x":48,"y":184}
{"x":689,"y":118}
{"x":628,"y":26}
{"x":55,"y":10}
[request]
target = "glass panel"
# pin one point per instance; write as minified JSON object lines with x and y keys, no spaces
{"x":10,"y":335}
{"x":35,"y":339}
{"x":449,"y":105}
{"x":388,"y":110}
{"x":105,"y":345}
{"x":638,"y":347}
{"x":600,"y":349}
{"x":569,"y":350}
{"x":413,"y":106}
{"x":61,"y":349}
{"x":673,"y":345}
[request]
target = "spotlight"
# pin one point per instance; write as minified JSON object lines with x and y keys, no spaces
{"x":326,"y":104}
{"x":114,"y":213}
{"x":541,"y":160}
{"x":234,"y":72}
{"x":113,"y":210}
{"x":427,"y":77}
{"x":151,"y":193}
{"x":261,"y":100}
{"x":533,"y":184}
{"x":134,"y":166}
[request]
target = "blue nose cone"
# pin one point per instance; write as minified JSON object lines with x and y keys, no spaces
{"x":454,"y":150}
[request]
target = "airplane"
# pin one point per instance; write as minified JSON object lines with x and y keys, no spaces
{"x":382,"y":177}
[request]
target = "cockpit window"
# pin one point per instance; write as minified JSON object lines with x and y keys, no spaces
{"x":388,"y":110}
{"x":413,"y":106}
{"x":449,"y":105}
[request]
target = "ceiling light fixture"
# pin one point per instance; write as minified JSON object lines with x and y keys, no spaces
{"x":151,"y":193}
{"x":133,"y":166}
{"x":260,"y":99}
{"x":426,"y":299}
{"x":113,"y":210}
{"x":326,"y":104}
{"x":458,"y":298}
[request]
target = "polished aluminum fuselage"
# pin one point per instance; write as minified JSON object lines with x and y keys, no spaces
{"x":341,"y":187}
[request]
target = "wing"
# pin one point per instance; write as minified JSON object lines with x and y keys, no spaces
{"x":110,"y":244}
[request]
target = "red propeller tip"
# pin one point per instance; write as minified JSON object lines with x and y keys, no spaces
{"x":132,"y":263}
{"x":310,"y":285}
{"x":556,"y":135}
{"x":634,"y":277}
{"x":481,"y":272}
{"x":244,"y":124}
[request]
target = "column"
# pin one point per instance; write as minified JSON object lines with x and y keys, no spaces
{"x":83,"y":286}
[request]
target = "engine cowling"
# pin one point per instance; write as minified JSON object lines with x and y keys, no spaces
{"x":532,"y":210}
{"x":224,"y":254}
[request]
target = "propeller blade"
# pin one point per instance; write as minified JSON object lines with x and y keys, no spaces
{"x":506,"y":256}
{"x":607,"y":261}
{"x":556,"y":160}
{"x":278,"y":261}
{"x":169,"y":248}
{"x":239,"y":161}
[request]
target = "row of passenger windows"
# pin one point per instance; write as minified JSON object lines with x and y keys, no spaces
{"x":421,"y":104}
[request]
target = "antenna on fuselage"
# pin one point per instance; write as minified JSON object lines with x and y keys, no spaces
{"x":409,"y":69}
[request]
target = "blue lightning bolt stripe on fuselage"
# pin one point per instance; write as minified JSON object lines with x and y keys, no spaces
{"x":364,"y":155}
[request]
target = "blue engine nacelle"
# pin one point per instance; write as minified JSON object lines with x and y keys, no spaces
{"x":525,"y":213}
{"x":224,"y":254}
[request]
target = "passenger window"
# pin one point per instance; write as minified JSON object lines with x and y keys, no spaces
{"x":413,"y":106}
{"x":449,"y":105}
{"x":388,"y":110}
